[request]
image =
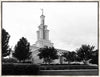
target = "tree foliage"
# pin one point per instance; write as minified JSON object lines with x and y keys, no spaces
{"x":69,"y":56}
{"x":5,"y":41}
{"x":48,"y":54}
{"x":85,"y":52}
{"x":22,"y":49}
{"x":94,"y":58}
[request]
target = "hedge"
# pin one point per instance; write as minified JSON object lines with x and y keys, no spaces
{"x":20,"y":69}
{"x":65,"y":67}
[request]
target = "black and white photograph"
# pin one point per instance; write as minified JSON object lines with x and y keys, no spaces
{"x":50,"y":38}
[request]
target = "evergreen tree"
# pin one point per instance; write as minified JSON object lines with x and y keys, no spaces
{"x":22,"y":49}
{"x":5,"y":41}
{"x":48,"y":54}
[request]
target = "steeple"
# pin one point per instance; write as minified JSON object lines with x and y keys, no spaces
{"x":43,"y":34}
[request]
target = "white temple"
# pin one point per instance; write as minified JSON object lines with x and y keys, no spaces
{"x":42,"y":41}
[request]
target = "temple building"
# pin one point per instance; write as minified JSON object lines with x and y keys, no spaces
{"x":42,"y":40}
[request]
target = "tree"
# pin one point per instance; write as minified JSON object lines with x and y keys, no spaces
{"x":77,"y":59}
{"x":5,"y":41}
{"x":48,"y":54}
{"x":85,"y":52}
{"x":22,"y":49}
{"x":94,"y":58}
{"x":69,"y":56}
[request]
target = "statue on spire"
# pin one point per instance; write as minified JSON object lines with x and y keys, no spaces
{"x":42,"y":11}
{"x":42,"y":17}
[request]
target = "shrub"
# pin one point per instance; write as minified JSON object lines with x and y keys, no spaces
{"x":9,"y":60}
{"x":20,"y":69}
{"x":7,"y":69}
{"x":27,"y":62}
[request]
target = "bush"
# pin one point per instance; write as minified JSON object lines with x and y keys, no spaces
{"x":9,"y":60}
{"x":7,"y":69}
{"x":27,"y":62}
{"x":20,"y":69}
{"x":94,"y":61}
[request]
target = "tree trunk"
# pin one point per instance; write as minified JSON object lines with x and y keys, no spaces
{"x":49,"y":63}
{"x":85,"y":62}
{"x":68,"y":62}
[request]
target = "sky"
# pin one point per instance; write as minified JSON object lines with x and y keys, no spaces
{"x":71,"y":24}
